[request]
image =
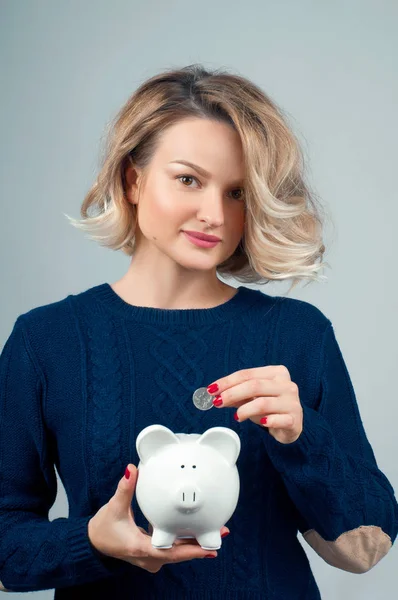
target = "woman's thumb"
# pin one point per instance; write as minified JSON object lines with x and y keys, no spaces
{"x":125,"y":490}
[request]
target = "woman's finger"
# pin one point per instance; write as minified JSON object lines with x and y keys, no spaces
{"x":285,"y":421}
{"x":182,"y":552}
{"x":224,"y":531}
{"x":261,"y":406}
{"x":181,"y":541}
{"x":120,"y":503}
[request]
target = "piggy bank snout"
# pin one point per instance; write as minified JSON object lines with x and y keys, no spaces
{"x":188,"y":497}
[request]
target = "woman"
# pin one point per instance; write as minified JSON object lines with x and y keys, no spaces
{"x":192,"y":154}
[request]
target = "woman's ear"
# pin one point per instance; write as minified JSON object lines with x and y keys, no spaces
{"x":130,"y":183}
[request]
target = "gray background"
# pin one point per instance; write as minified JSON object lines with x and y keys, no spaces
{"x":67,"y":67}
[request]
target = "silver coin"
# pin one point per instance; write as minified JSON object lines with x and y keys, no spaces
{"x":202,"y":399}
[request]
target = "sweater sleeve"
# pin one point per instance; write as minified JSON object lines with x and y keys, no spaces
{"x":35,"y":553}
{"x":346,"y":506}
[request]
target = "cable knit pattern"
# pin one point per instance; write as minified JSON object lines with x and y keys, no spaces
{"x":176,"y":357}
{"x":104,"y":413}
{"x":86,"y":374}
{"x":251,"y":468}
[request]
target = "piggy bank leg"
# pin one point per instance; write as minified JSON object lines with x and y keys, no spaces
{"x":210,"y":540}
{"x":162,"y":539}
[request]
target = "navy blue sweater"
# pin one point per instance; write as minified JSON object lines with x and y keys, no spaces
{"x":81,"y":377}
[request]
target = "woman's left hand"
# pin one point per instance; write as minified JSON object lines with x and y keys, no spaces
{"x":265,"y":395}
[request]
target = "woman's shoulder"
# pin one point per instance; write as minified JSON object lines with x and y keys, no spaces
{"x":52,"y":328}
{"x":294,"y":312}
{"x":46,"y":316}
{"x":56,"y":312}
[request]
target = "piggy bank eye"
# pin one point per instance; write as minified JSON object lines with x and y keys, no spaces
{"x":194,"y":466}
{"x":182,"y":466}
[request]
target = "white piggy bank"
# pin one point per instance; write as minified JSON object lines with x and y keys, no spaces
{"x":188,"y":484}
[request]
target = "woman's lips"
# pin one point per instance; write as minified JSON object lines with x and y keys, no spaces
{"x":199,"y":242}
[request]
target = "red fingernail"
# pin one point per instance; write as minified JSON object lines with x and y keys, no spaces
{"x":236,"y":416}
{"x":263,"y":420}
{"x":127,"y":473}
{"x":210,"y":556}
{"x":212,"y":388}
{"x":225,"y":534}
{"x":217,"y":401}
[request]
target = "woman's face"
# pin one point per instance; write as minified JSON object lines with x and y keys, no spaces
{"x":175,"y":197}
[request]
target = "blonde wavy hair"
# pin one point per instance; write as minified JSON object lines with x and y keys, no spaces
{"x":282,"y":236}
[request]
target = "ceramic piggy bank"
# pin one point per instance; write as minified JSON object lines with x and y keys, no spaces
{"x":188,"y":484}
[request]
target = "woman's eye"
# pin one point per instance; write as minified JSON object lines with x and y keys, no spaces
{"x":241,"y":194}
{"x":191,"y":178}
{"x":180,"y":177}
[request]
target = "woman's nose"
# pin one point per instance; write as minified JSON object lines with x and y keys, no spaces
{"x":212,"y":210}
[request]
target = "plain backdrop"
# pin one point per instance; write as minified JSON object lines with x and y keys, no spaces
{"x":68,"y":66}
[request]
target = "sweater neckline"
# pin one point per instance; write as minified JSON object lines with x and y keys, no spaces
{"x":235,"y":306}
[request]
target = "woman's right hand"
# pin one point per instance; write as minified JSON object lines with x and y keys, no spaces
{"x":113,"y":532}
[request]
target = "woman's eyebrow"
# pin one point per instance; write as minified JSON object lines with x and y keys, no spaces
{"x":201,"y":170}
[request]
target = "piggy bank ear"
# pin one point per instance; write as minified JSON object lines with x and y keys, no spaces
{"x":152,"y":439}
{"x":223,"y":440}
